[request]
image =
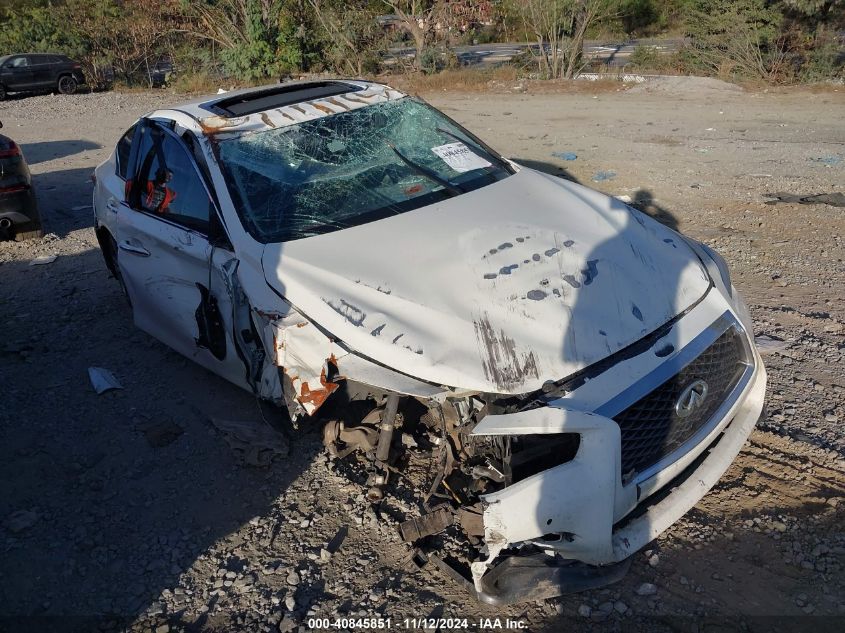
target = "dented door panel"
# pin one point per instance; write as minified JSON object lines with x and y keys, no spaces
{"x":164,"y":266}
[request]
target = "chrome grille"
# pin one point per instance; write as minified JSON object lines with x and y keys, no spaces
{"x":651,"y":429}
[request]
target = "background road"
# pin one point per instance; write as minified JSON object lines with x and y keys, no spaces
{"x":614,"y":54}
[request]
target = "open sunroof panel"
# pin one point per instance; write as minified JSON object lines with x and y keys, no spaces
{"x":277,"y":97}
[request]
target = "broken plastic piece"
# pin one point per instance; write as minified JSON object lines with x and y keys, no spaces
{"x":833,"y":199}
{"x":769,"y":344}
{"x":103,"y":380}
{"x":43,"y":259}
{"x":828,"y":161}
{"x":303,"y":353}
{"x":600,"y":176}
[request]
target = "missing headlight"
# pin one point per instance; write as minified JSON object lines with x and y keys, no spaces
{"x":532,"y":454}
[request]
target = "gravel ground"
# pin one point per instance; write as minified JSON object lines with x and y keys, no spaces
{"x":132,"y":509}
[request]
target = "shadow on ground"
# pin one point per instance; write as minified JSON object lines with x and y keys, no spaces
{"x":64,"y":199}
{"x":115,"y":494}
{"x":49,"y":150}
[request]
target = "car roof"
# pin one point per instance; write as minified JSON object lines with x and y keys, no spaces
{"x":279,"y":105}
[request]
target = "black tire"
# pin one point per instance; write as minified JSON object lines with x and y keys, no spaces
{"x":111,"y":261}
{"x":67,"y":84}
{"x":2,"y":92}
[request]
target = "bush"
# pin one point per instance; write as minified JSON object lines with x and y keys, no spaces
{"x":824,"y":59}
{"x":645,"y":57}
{"x":742,"y":39}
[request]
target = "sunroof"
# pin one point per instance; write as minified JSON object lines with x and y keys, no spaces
{"x":279,"y":96}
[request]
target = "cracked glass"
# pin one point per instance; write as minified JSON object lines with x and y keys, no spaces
{"x":351,"y":168}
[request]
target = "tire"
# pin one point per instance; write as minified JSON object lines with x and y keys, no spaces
{"x":67,"y":84}
{"x":2,"y":92}
{"x":110,"y":253}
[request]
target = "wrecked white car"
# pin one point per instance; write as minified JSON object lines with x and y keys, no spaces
{"x":575,"y":375}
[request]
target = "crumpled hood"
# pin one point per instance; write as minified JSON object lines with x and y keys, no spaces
{"x":498,"y":290}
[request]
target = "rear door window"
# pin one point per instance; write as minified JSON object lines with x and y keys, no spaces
{"x":124,"y":148}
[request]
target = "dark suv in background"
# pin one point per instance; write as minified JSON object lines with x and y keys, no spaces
{"x":30,"y":72}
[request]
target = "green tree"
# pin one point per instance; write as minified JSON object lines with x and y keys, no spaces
{"x":256,"y":38}
{"x":741,"y":38}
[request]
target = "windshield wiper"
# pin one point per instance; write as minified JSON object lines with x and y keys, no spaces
{"x":479,"y":149}
{"x":453,"y":190}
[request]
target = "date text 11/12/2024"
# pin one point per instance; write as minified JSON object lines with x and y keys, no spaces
{"x":416,"y":624}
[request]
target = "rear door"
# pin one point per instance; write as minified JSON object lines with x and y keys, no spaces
{"x":172,"y":270}
{"x":42,"y":70}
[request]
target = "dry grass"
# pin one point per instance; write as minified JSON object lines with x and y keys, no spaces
{"x":501,"y":79}
{"x":463,"y":80}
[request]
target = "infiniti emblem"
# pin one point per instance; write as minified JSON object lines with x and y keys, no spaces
{"x":691,"y":398}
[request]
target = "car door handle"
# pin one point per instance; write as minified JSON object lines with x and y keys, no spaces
{"x":135,"y":249}
{"x":111,"y":205}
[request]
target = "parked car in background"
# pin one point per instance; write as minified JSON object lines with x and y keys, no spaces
{"x":574,"y":375}
{"x":161,"y":73}
{"x":33,"y":72}
{"x":19,"y":216}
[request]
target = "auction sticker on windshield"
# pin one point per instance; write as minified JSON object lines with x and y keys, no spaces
{"x":460,"y":157}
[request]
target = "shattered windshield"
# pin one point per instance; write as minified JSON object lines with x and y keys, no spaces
{"x":351,"y":168}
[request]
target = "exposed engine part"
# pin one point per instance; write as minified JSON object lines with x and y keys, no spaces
{"x":362,"y":438}
{"x":438,"y":447}
{"x":488,"y":470}
{"x":434,"y":522}
{"x":375,"y":481}
{"x":386,"y":428}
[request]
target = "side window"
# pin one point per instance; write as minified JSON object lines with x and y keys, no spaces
{"x":19,"y":62}
{"x":124,"y":147}
{"x":169,"y":185}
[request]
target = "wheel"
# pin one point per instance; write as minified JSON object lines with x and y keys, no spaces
{"x":110,"y":254}
{"x":2,"y":92}
{"x":67,"y":85}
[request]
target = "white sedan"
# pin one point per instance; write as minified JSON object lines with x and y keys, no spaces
{"x":582,"y":374}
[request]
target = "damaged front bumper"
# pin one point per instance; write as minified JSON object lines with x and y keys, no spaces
{"x":585,"y":516}
{"x":569,"y":520}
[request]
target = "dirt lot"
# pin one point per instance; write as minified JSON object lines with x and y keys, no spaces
{"x":131,"y":508}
